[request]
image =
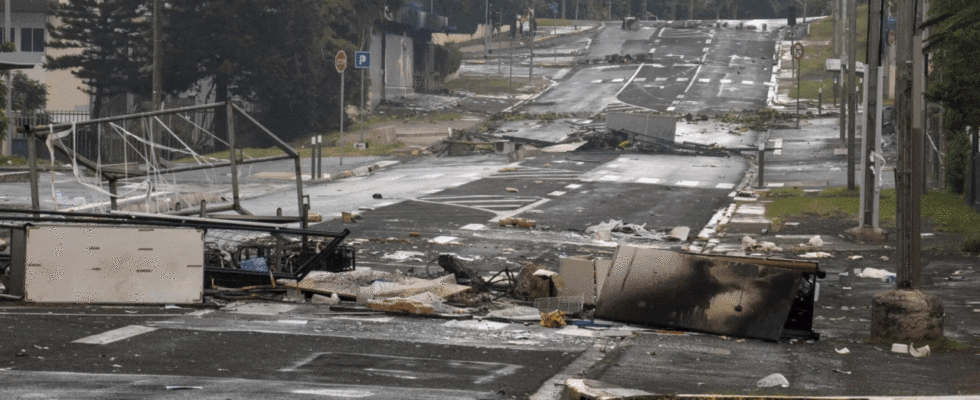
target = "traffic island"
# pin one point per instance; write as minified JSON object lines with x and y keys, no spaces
{"x":904,"y":315}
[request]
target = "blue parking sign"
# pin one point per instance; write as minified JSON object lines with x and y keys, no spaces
{"x":362,"y":59}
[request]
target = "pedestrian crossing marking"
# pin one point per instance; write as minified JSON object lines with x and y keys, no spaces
{"x":726,"y":81}
{"x":704,"y":80}
{"x":748,"y":83}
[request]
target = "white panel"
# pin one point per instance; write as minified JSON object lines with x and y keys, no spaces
{"x":98,"y":264}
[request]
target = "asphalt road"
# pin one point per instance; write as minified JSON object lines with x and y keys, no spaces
{"x":453,"y":204}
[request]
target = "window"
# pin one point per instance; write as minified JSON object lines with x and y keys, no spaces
{"x":32,"y":40}
{"x":3,"y":38}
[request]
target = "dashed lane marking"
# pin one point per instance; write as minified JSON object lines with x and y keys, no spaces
{"x":573,"y":186}
{"x":609,"y":178}
{"x":688,"y":183}
{"x":648,"y":180}
{"x":748,"y":83}
{"x":116,"y":335}
{"x":704,"y":80}
{"x":660,"y":80}
{"x":725,"y":186}
{"x":726,"y":81}
{"x":557,"y":193}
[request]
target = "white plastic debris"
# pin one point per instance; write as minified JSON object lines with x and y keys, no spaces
{"x":816,"y":254}
{"x":816,"y":241}
{"x":920,"y":352}
{"x":843,"y":351}
{"x":900,"y":348}
{"x":477,"y":325}
{"x":876,"y":273}
{"x":749,"y":244}
{"x":855,"y":257}
{"x":773,"y":380}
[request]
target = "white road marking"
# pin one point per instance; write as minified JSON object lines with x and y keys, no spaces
{"x":473,"y":227}
{"x":597,"y":81}
{"x":609,"y":178}
{"x":660,"y":79}
{"x":648,"y":180}
{"x":705,"y":50}
{"x":688,"y":183}
{"x":726,"y":81}
{"x":776,"y":184}
{"x":748,"y":83}
{"x":556,"y":193}
{"x":680,"y":96}
{"x":704,"y":80}
{"x":696,"y":72}
{"x":561,"y":73}
{"x":618,"y":80}
{"x":338,"y":393}
{"x":430,"y":176}
{"x":652,"y":50}
{"x":777,"y":152}
{"x":707,"y":41}
{"x":682,"y":79}
{"x":725,"y":186}
{"x":671,"y":108}
{"x":640,"y":80}
{"x":573,"y":186}
{"x":116,"y":335}
{"x":635,"y":73}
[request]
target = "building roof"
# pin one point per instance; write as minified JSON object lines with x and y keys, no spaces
{"x":29,"y":6}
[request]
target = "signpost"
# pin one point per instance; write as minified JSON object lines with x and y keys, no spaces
{"x":362,"y":61}
{"x":554,"y":27}
{"x":798,"y":56}
{"x":341,"y":63}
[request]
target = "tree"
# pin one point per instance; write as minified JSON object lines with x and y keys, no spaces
{"x":110,"y":35}
{"x":955,"y":45}
{"x":28,"y":95}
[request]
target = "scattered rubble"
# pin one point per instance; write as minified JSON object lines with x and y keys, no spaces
{"x":749,"y":244}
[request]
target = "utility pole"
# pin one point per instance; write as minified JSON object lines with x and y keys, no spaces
{"x":907,"y":185}
{"x":486,"y":26}
{"x":842,"y":53}
{"x":872,"y":75}
{"x":851,"y":95}
{"x":8,"y":139}
{"x":157,"y":55}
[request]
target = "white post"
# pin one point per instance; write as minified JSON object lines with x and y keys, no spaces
{"x":341,"y":118}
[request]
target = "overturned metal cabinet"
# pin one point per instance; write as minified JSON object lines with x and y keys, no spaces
{"x":104,"y":264}
{"x":739,"y":297}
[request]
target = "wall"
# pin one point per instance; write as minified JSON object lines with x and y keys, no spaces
{"x":659,"y":126}
{"x":445,"y":38}
{"x":399,"y":67}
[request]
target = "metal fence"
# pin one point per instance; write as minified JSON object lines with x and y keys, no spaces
{"x":112,"y":143}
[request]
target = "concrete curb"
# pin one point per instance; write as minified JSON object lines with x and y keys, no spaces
{"x":587,"y":389}
{"x":357,"y":171}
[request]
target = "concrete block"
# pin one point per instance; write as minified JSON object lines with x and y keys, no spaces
{"x":906,"y":316}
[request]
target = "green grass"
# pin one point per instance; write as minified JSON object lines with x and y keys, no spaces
{"x":947,"y":210}
{"x":12,"y":160}
{"x":813,"y":66}
{"x":951,"y":213}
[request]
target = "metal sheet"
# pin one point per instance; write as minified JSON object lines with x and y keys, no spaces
{"x":682,"y":291}
{"x":99,"y":264}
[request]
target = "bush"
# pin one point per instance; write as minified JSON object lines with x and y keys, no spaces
{"x":971,"y":245}
{"x":448,"y":61}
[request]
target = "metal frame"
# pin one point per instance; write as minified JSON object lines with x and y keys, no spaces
{"x":114,"y":174}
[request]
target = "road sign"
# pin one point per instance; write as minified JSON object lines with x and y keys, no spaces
{"x":553,"y":7}
{"x":798,"y":51}
{"x":362,"y":59}
{"x":340,"y":61}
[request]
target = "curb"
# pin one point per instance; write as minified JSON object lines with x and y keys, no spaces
{"x":587,"y":389}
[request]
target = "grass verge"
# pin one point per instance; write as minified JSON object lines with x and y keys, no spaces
{"x":946,"y":210}
{"x":500,"y":85}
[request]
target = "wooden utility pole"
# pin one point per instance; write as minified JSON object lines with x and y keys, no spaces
{"x":907,"y":183}
{"x":157,"y":55}
{"x":851,"y":83}
{"x":869,"y":189}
